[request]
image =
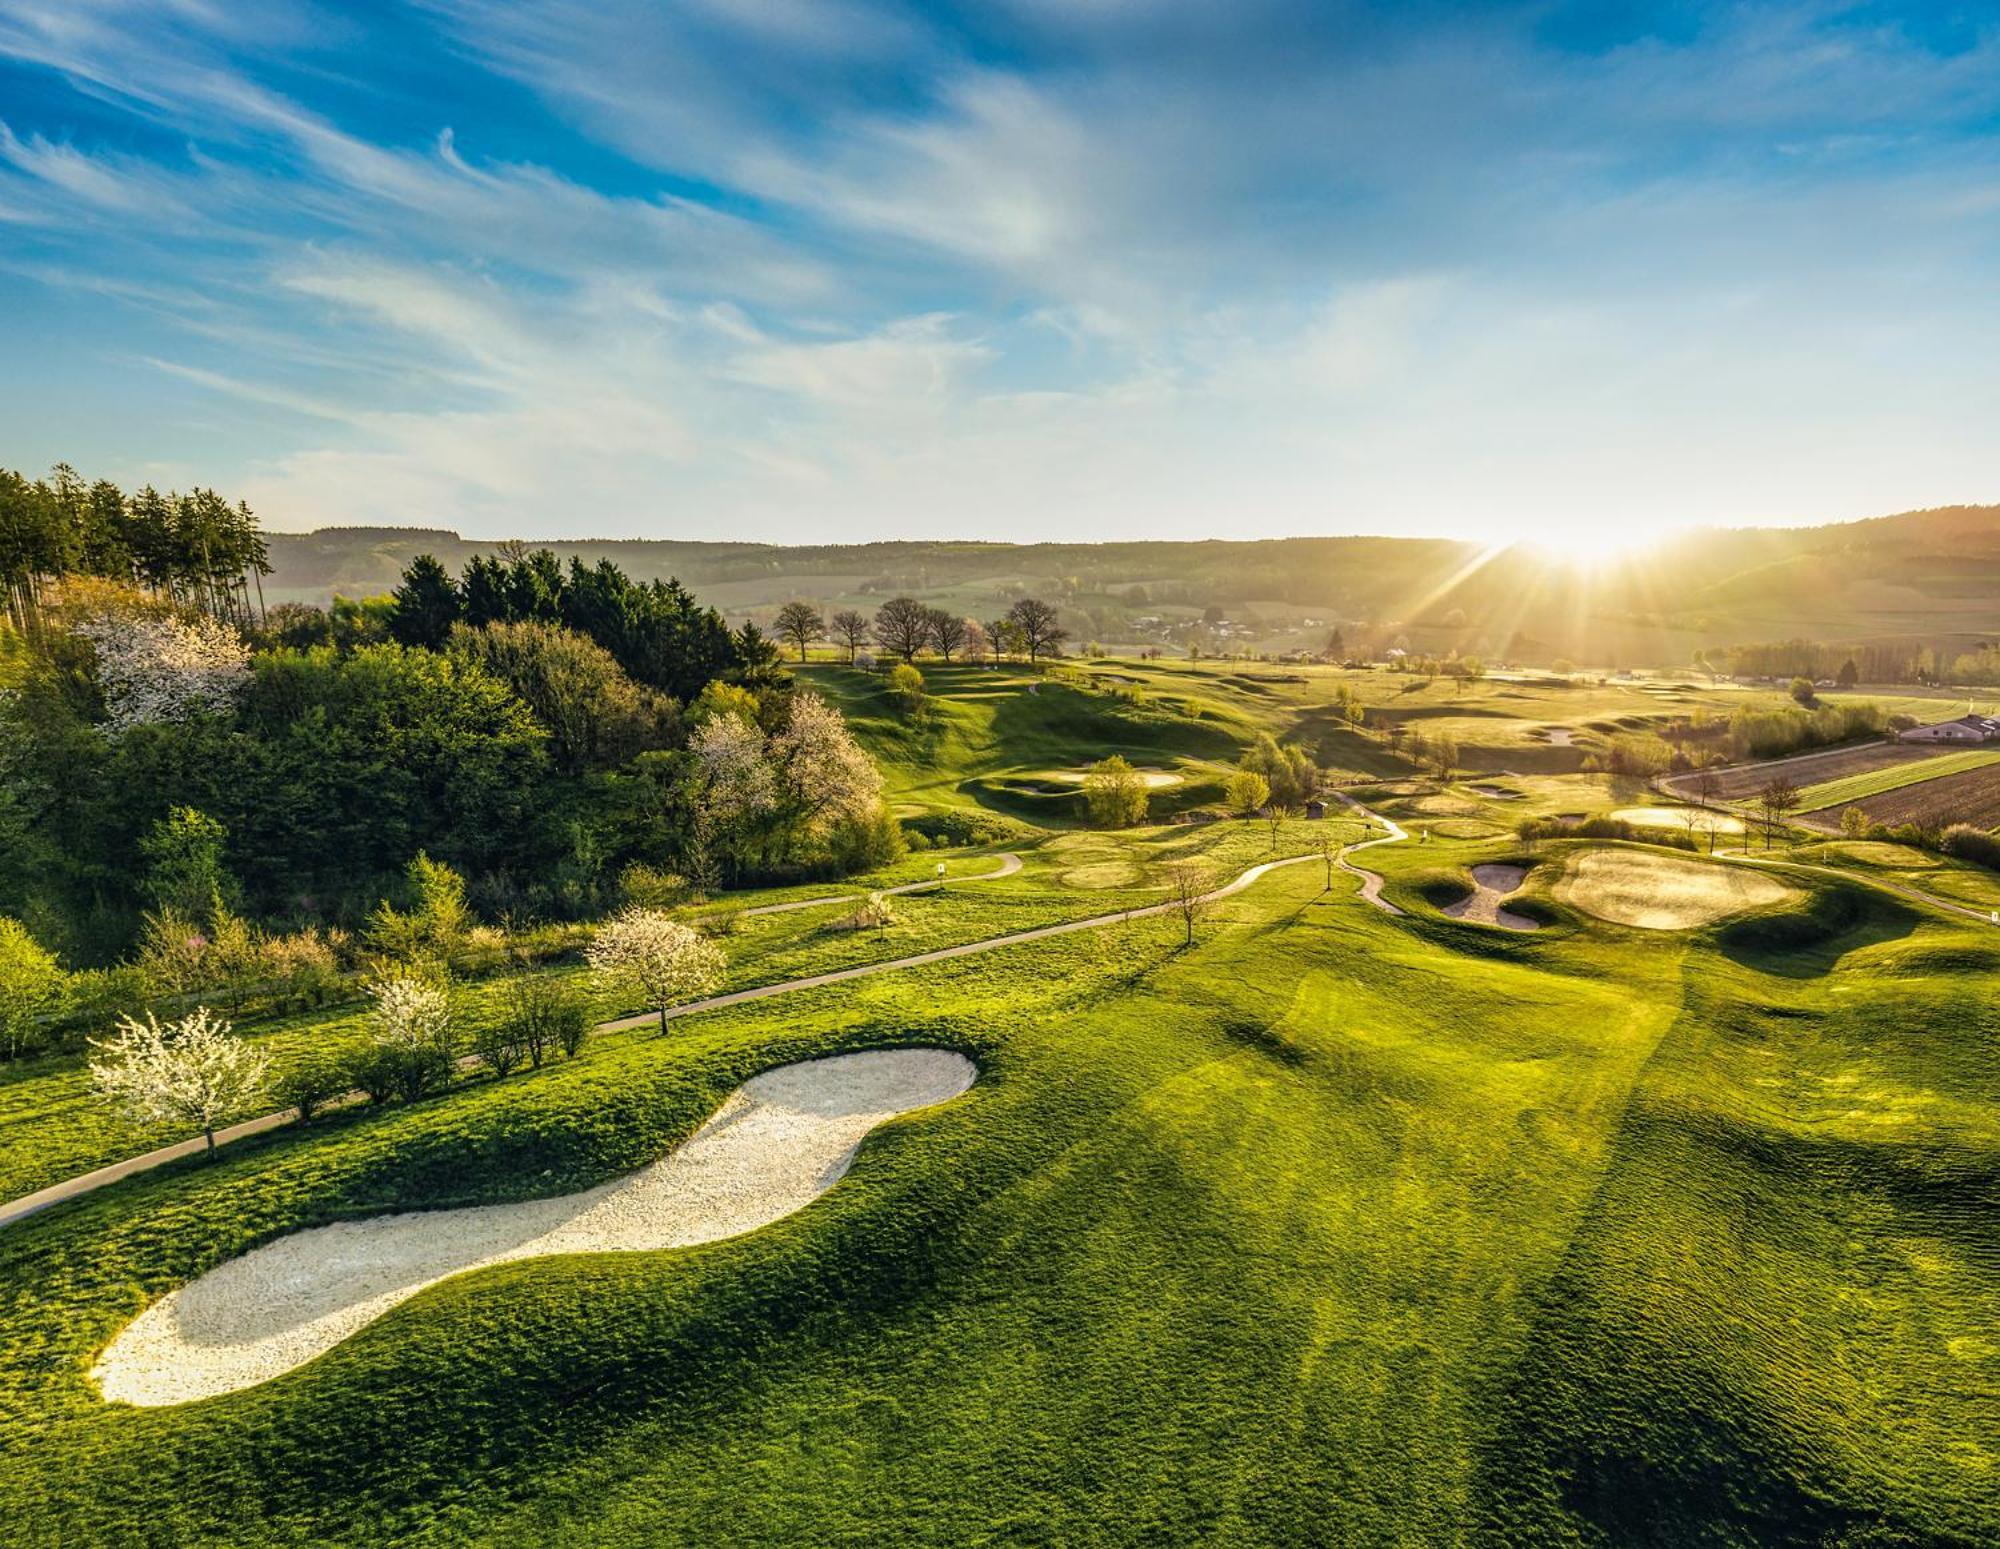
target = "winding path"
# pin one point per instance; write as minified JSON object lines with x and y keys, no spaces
{"x":86,"y":1183}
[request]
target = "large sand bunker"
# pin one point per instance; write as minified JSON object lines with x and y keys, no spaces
{"x":1490,"y":884}
{"x":1663,"y":892}
{"x":781,"y":1140}
{"x":1677,"y":818}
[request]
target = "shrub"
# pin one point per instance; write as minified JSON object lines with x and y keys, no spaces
{"x":906,"y":689}
{"x":1972,"y":844}
{"x":1116,"y":793}
{"x":957,"y":829}
{"x":648,"y":887}
{"x":310,"y":1085}
{"x":1533,"y":829}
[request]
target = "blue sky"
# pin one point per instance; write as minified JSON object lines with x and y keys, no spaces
{"x":829,"y":270}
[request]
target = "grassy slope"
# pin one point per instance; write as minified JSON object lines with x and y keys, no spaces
{"x":1336,"y":1227}
{"x":53,"y":1126}
{"x":1833,"y":793}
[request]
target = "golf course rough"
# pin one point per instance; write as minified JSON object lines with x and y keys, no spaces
{"x":777,"y":1143}
{"x":1664,"y":892}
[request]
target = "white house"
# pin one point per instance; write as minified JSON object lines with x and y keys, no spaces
{"x":1967,"y":728}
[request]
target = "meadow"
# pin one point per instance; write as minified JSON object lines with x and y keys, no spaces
{"x":1336,"y":1226}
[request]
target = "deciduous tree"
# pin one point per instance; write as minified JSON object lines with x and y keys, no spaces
{"x":903,"y":627}
{"x":851,"y":630}
{"x":800,"y":623}
{"x":191,"y":1071}
{"x":655,"y":959}
{"x":31,"y":981}
{"x":1037,"y":624}
{"x":1115,"y":792}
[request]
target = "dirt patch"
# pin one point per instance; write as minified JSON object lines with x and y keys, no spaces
{"x":1969,"y":797}
{"x":1491,"y":883}
{"x":1676,"y":819}
{"x":781,"y":1140}
{"x":1744,"y":781}
{"x":1664,"y":892}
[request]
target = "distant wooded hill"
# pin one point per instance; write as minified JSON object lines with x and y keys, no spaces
{"x":1930,"y":577}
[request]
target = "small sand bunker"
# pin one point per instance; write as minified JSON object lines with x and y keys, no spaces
{"x":1559,"y":736}
{"x":1492,"y":883}
{"x":780,"y":1141}
{"x":1495,"y":793}
{"x":1664,"y":892}
{"x":1677,"y":817}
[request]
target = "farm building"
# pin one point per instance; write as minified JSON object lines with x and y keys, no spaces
{"x":1315,"y":808}
{"x":1967,"y":728}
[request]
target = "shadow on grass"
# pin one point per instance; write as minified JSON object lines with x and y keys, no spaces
{"x":1806,"y":943}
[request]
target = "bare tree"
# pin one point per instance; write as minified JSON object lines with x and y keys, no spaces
{"x":800,"y":623}
{"x":1778,"y":797}
{"x":947,"y":631}
{"x":1036,"y":623}
{"x":851,"y":630}
{"x":1189,"y":889}
{"x":1275,"y":815}
{"x":903,"y":626}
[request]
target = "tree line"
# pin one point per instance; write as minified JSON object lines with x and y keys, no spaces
{"x":906,"y":628}
{"x":194,"y":550}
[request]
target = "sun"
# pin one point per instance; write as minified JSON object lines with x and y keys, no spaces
{"x":1601,"y":548}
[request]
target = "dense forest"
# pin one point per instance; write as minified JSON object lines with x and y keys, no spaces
{"x":179,"y":767}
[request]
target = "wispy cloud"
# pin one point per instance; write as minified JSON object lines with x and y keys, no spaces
{"x":1020,"y":269}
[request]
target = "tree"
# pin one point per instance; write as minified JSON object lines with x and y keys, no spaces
{"x":1275,"y":815}
{"x":801,"y":623}
{"x":903,"y":627}
{"x":1189,"y":886}
{"x":427,"y":605}
{"x":596,"y":715}
{"x":1115,"y":792}
{"x":1328,"y":843}
{"x":1003,"y":638}
{"x":906,"y":689}
{"x":412,"y":1040}
{"x":191,"y":1071}
{"x":1707,"y":789}
{"x":1777,"y":797}
{"x":1336,"y":646}
{"x":161,"y":668}
{"x":822,"y":777}
{"x":1036,"y":625}
{"x":31,"y":980}
{"x":658,"y":960}
{"x":1849,"y":674}
{"x":1854,"y":823}
{"x":1441,"y":752}
{"x":434,"y":929}
{"x":184,"y":869}
{"x":1246,"y":791}
{"x":1802,"y":691}
{"x":850,"y":629}
{"x":976,"y":643}
{"x":1289,"y":771}
{"x":947,"y":632}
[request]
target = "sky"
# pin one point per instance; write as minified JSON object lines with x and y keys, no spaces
{"x":840,"y":270}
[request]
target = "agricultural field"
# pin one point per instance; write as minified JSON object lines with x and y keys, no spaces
{"x":1345,"y":1222}
{"x":1971,"y":795}
{"x":1858,"y":787}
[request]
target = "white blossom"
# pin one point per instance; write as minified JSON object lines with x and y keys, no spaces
{"x":191,"y":1071}
{"x":732,"y":752}
{"x":411,"y":1011}
{"x":823,"y":772}
{"x":164,"y":668}
{"x":655,"y":957}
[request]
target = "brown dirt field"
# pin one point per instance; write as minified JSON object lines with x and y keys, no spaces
{"x":1741,"y":783}
{"x":1971,"y":797}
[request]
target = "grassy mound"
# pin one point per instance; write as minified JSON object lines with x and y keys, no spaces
{"x":1664,"y":892}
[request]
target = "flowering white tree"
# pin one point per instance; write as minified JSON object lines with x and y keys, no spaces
{"x":164,"y":668}
{"x":656,"y":958}
{"x":191,"y":1071}
{"x":821,"y":773}
{"x":411,"y":1010}
{"x":732,"y":755}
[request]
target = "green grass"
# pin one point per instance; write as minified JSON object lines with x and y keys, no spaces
{"x":1833,"y":793}
{"x":53,"y":1126}
{"x":1336,"y":1228}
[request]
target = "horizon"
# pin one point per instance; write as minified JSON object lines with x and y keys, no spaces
{"x":867,"y":272}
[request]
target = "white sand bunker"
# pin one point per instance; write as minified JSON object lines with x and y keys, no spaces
{"x":1152,"y":779}
{"x":1705,"y":822}
{"x":781,"y":1140}
{"x":1492,"y":883}
{"x":1664,"y":892}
